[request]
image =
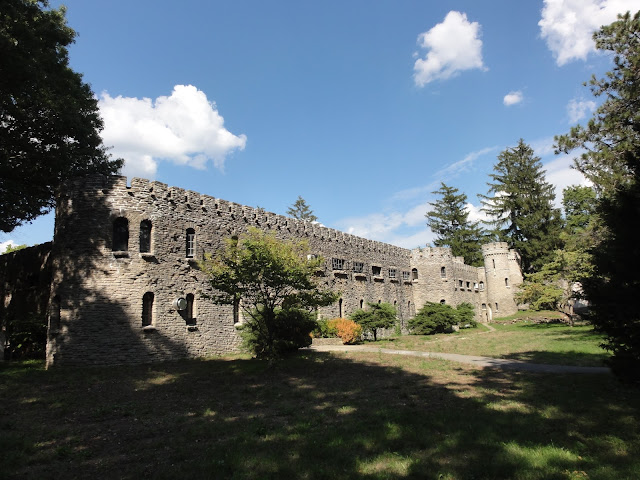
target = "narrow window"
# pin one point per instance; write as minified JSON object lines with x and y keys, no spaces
{"x":468,"y":285}
{"x":189,"y":312}
{"x":494,"y":263}
{"x":460,"y":283}
{"x":358,"y":267}
{"x":147,"y":309}
{"x":484,"y":306}
{"x":392,"y":273}
{"x":191,"y":243}
{"x":145,"y":236}
{"x":236,"y":311}
{"x":496,"y":306}
{"x":443,"y":272}
{"x":120,"y":234}
{"x":54,"y":314}
{"x":506,"y":282}
{"x":414,"y":273}
{"x":340,"y":308}
{"x":481,"y":286}
{"x":361,"y":303}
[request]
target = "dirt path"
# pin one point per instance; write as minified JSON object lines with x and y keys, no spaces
{"x":484,"y":362}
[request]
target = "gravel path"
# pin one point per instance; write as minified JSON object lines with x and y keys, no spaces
{"x":483,"y":362}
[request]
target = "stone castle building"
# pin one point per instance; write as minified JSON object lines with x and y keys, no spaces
{"x":122,"y":283}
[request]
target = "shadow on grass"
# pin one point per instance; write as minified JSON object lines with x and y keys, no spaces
{"x":314,"y":416}
{"x":574,"y":358}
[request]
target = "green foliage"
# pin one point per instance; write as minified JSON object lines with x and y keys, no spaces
{"x":324,"y":330}
{"x":520,"y":203}
{"x":449,"y":221}
{"x":301,"y":211}
{"x":272,"y":281}
{"x":49,"y":120}
{"x":579,"y":203}
{"x":14,"y":248}
{"x":611,"y":160}
{"x":440,"y":318}
{"x":26,"y":337}
{"x":377,"y":316}
{"x":289,"y":330}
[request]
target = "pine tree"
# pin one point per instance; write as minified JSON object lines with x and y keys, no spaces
{"x":449,"y":221}
{"x":611,"y":160}
{"x":520,"y":203}
{"x":301,"y":211}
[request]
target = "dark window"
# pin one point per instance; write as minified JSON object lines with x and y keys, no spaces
{"x":460,"y":283}
{"x":443,"y":272}
{"x":376,"y":270}
{"x":414,"y":273}
{"x":120,"y":234}
{"x":145,"y":236}
{"x":497,"y":306}
{"x":340,"y":308}
{"x":189,"y":312}
{"x":191,"y":243}
{"x":442,"y":302}
{"x":506,"y":282}
{"x":361,"y":303}
{"x":484,"y":306}
{"x":236,"y":311}
{"x":147,"y":309}
{"x":337,"y":263}
{"x":358,"y":267}
{"x":481,"y":285}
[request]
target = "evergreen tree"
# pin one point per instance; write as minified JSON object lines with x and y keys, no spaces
{"x":520,"y":202}
{"x":301,"y":211}
{"x":49,"y":119}
{"x":379,"y":316}
{"x":611,"y":160}
{"x":449,"y":221}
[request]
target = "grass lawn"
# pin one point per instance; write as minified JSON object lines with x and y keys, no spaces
{"x":316,"y":415}
{"x":550,"y":343}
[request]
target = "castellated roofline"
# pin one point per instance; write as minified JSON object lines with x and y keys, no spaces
{"x":179,"y":198}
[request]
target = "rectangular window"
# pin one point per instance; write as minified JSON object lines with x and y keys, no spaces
{"x":392,"y":273}
{"x":358,"y":267}
{"x":468,"y":285}
{"x":460,"y":283}
{"x":376,"y":270}
{"x":191,"y":243}
{"x":337,"y":263}
{"x":406,"y":276}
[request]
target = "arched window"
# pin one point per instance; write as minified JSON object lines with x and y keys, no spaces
{"x":497,"y":306}
{"x":147,"y":309}
{"x":443,"y":272}
{"x":481,"y":286}
{"x":361,"y":303}
{"x":145,"y":236}
{"x":120,"y":235}
{"x":340,"y":308}
{"x":191,"y":243}
{"x":414,"y":273}
{"x":442,"y":302}
{"x":190,"y":301}
{"x":54,"y":314}
{"x":484,"y":306}
{"x":506,"y":282}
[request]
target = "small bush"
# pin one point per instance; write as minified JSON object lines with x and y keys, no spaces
{"x":287,"y":332}
{"x":440,"y":318}
{"x":348,"y":330}
{"x":323,"y":330}
{"x":378,"y":316}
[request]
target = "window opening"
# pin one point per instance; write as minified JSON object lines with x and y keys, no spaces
{"x":337,"y":263}
{"x":340,"y":308}
{"x":443,"y":272}
{"x":190,"y":302}
{"x":358,"y":267}
{"x":121,"y":234}
{"x":442,"y":302}
{"x":506,"y":282}
{"x":54,"y":315}
{"x":145,"y":236}
{"x":414,"y":273}
{"x":392,"y":273}
{"x":481,"y":286}
{"x":147,"y":309}
{"x":376,"y":270}
{"x":191,"y":243}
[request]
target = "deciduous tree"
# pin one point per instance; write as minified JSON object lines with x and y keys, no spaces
{"x":49,"y":120}
{"x":272,"y":281}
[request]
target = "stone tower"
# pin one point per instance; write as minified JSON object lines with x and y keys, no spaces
{"x":503,"y":275}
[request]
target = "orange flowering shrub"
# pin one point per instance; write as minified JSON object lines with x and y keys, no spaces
{"x":348,"y":330}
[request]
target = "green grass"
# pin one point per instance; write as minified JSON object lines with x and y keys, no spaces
{"x":549,"y":343}
{"x":344,"y":416}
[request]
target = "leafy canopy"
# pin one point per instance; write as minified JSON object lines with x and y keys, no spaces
{"x":49,"y":119}
{"x":449,"y":221}
{"x":520,"y":204}
{"x":435,"y":318}
{"x":377,"y":317}
{"x":272,"y":281}
{"x":301,"y":211}
{"x":611,"y":160}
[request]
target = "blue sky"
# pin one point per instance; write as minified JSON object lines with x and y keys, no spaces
{"x":362,"y":107}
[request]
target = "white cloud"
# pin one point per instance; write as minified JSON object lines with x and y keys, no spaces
{"x":183,"y":128}
{"x":579,"y":109}
{"x":512,"y":98}
{"x":462,"y":166}
{"x":561,"y":174}
{"x":453,"y":46}
{"x":568,"y":25}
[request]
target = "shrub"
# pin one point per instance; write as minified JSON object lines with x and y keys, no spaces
{"x":466,"y":314}
{"x":439,"y":318}
{"x":323,"y":330}
{"x":289,"y":330}
{"x":378,"y":316}
{"x":348,"y":330}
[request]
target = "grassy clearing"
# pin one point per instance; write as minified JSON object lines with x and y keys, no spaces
{"x":345,"y":416}
{"x":549,"y":343}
